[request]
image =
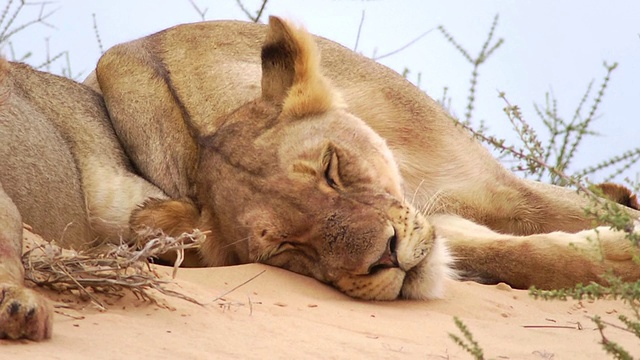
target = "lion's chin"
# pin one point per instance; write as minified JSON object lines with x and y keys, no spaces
{"x":385,"y":284}
{"x":427,"y":279}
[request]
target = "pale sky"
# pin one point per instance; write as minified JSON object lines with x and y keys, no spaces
{"x":550,"y":45}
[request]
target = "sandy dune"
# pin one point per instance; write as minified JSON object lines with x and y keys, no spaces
{"x":283,"y":315}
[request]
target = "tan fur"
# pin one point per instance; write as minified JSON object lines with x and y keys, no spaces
{"x":332,"y":167}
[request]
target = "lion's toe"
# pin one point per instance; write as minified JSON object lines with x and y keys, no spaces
{"x":24,"y":314}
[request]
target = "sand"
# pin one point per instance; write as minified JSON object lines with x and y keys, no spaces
{"x":279,"y":314}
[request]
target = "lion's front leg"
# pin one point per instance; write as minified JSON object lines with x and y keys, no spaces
{"x":548,"y":261}
{"x":24,"y":314}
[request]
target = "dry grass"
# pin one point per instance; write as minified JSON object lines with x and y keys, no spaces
{"x":109,"y":269}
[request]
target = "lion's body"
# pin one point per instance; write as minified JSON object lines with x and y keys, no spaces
{"x":438,"y":161}
{"x":335,"y":179}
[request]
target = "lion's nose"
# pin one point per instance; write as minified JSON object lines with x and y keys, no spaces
{"x":389,"y":258}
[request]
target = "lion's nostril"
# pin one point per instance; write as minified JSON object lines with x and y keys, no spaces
{"x":391,"y":244}
{"x":391,"y":249}
{"x":389,"y":258}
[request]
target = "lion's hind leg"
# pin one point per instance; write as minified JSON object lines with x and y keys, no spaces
{"x":547,"y":261}
{"x":23,"y":312}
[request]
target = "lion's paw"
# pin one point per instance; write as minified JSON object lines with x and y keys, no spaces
{"x":24,"y":314}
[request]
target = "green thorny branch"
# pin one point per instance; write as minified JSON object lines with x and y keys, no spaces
{"x":566,"y":137}
{"x":469,"y":344}
{"x":629,"y":292}
{"x":9,"y":27}
{"x":485,"y":52}
{"x":9,"y":14}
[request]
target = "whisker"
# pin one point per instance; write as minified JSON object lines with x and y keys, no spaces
{"x":434,"y":203}
{"x":236,"y":242}
{"x":415,"y":193}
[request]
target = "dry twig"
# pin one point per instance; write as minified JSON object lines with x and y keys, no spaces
{"x":239,"y":286}
{"x":255,"y":18}
{"x":108,"y":270}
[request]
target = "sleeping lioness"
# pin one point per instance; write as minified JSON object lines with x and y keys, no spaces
{"x":337,"y":169}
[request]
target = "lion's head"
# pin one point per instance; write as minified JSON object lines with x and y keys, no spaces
{"x":295,"y":181}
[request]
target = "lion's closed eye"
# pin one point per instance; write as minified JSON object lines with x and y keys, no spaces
{"x":330,"y":163}
{"x":284,"y":246}
{"x":275,"y":249}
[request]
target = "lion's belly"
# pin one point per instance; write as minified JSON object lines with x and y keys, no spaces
{"x":40,"y":175}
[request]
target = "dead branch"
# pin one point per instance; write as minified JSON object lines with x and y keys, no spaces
{"x":108,"y":269}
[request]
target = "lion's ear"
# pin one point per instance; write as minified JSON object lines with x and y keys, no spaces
{"x":291,"y":72}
